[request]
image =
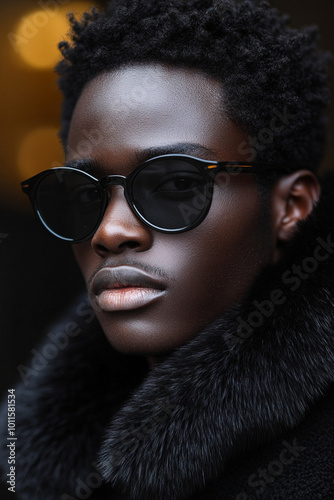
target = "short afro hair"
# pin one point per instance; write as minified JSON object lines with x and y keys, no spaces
{"x":270,"y":73}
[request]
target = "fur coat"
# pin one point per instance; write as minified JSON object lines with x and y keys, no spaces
{"x":244,"y":410}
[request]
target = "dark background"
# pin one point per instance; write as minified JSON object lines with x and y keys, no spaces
{"x":38,"y":273}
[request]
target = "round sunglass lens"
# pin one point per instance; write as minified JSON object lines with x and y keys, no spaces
{"x":171,"y":193}
{"x":69,"y":204}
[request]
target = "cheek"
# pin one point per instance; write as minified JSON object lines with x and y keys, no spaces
{"x":86,"y":258}
{"x":225,"y":252}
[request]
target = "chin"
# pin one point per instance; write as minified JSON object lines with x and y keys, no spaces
{"x":140,"y":340}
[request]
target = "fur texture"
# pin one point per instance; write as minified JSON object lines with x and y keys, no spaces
{"x":254,"y":382}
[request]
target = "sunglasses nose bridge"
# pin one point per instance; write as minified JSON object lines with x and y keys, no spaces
{"x":113,"y":180}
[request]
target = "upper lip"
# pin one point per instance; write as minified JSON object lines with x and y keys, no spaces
{"x":109,"y":278}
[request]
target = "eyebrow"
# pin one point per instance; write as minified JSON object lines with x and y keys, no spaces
{"x":186,"y":148}
{"x":92,"y":166}
{"x":86,"y":164}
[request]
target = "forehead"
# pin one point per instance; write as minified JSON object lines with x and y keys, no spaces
{"x":145,"y":106}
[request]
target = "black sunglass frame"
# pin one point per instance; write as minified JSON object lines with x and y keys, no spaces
{"x":209,"y":168}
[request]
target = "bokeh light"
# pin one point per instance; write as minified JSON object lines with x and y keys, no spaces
{"x":31,"y":31}
{"x":31,"y":101}
{"x":39,"y":50}
{"x":39,"y":150}
{"x":38,"y":33}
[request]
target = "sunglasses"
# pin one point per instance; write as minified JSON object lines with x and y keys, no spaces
{"x":170,"y":193}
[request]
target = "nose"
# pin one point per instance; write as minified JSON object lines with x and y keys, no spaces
{"x":120,"y":230}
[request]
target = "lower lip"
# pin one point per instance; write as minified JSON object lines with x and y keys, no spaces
{"x":126,"y":299}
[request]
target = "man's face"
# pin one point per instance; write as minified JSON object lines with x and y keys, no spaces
{"x":172,"y":284}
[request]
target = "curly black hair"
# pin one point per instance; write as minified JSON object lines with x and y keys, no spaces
{"x":274,"y":77}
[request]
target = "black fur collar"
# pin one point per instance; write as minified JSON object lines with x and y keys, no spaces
{"x":245,"y":379}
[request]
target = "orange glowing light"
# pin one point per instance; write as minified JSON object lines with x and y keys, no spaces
{"x":39,"y":150}
{"x":37,"y":35}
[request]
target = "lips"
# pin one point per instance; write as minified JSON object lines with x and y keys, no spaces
{"x":124,"y":288}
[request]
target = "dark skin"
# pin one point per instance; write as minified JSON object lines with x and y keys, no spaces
{"x":125,"y":117}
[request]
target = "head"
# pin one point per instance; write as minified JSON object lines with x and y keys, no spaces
{"x":217,"y":80}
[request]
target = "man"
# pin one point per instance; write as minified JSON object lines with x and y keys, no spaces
{"x":192,"y":131}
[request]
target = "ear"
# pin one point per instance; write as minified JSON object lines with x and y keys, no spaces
{"x":293,"y":199}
